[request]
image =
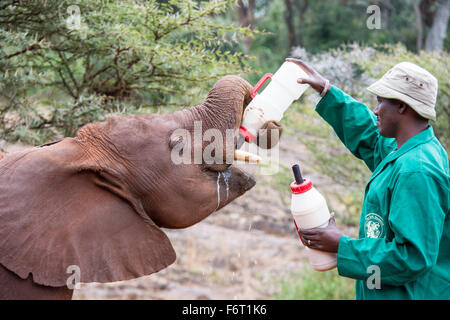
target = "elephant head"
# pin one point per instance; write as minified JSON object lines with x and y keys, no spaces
{"x":97,"y":201}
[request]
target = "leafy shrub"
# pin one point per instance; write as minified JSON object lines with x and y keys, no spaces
{"x":134,"y":53}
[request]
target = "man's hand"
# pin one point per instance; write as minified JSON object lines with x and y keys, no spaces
{"x":324,"y":239}
{"x":314,"y":79}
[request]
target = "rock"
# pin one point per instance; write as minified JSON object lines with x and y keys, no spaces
{"x":45,"y":112}
{"x":11,"y":119}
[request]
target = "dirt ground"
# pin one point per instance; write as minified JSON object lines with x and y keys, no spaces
{"x":239,"y":252}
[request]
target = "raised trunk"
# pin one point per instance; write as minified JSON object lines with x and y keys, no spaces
{"x":222,"y":110}
{"x":224,"y":105}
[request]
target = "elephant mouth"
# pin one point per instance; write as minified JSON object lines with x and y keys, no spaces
{"x":235,"y":171}
{"x":230,"y":184}
{"x":244,"y":157}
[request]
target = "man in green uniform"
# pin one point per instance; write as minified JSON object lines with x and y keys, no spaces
{"x":403,"y":249}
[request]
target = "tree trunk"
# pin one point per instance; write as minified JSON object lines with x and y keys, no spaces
{"x":438,"y":31}
{"x":419,"y":25}
{"x":245,"y":10}
{"x":289,"y":18}
{"x":301,"y":7}
{"x":386,"y":12}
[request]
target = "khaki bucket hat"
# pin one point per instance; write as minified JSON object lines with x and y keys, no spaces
{"x":410,"y":84}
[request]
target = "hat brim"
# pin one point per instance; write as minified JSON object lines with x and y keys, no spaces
{"x":381,"y":90}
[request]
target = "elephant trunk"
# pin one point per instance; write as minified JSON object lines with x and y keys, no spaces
{"x":224,"y":105}
{"x":222,"y":110}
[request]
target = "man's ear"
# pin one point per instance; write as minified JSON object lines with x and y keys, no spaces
{"x":402,"y":107}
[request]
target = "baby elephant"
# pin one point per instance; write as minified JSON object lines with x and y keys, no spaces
{"x":91,"y":207}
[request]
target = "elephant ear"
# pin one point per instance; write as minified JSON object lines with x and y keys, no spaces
{"x":54,"y":215}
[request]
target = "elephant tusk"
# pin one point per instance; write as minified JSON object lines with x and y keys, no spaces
{"x":246,"y":156}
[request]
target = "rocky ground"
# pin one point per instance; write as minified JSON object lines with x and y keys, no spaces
{"x":239,"y":252}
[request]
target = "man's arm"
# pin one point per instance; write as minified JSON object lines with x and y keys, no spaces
{"x":352,"y":121}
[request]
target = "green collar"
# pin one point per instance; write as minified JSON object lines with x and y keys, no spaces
{"x":420,"y":138}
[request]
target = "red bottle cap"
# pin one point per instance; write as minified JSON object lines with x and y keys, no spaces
{"x":301,"y":188}
{"x":249,"y":137}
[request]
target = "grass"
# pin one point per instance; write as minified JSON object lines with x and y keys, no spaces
{"x":314,"y":285}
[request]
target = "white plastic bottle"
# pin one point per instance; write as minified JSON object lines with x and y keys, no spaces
{"x":274,"y":100}
{"x":309,"y":209}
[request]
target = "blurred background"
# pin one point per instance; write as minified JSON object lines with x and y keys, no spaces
{"x":67,"y":63}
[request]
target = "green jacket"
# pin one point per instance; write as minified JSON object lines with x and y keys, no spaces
{"x":404,"y":231}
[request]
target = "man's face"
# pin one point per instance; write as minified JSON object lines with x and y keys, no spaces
{"x":388,"y":116}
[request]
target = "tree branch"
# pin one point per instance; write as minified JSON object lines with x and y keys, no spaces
{"x":69,"y":71}
{"x":31,"y":47}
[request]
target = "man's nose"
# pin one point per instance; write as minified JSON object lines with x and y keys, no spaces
{"x":375,"y":111}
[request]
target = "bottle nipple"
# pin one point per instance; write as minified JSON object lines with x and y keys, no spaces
{"x":297,"y":174}
{"x":300,"y":185}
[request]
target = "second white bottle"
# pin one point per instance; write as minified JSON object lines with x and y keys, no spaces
{"x":309,"y":209}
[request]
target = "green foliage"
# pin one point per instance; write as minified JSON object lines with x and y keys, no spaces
{"x":152,"y":53}
{"x":313,"y":285}
{"x":328,"y":24}
{"x":271,"y":46}
{"x":321,"y":26}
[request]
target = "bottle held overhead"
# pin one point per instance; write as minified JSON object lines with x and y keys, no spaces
{"x":275,"y":99}
{"x":309,"y":209}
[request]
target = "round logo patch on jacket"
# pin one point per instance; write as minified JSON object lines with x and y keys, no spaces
{"x":374,"y":226}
